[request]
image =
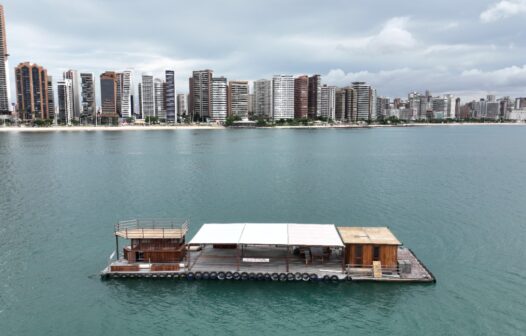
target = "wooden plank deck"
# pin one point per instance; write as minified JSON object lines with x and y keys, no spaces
{"x":226,"y":260}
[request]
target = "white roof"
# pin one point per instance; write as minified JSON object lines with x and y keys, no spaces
{"x":218,"y":234}
{"x":268,"y":234}
{"x":264,"y":234}
{"x":314,"y":235}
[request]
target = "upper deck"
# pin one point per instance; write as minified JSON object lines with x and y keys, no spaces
{"x":152,"y":228}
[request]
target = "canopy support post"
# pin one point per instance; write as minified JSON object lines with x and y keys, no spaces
{"x":344,"y":251}
{"x":117,"y":246}
{"x":287,"y":259}
{"x":238,"y":257}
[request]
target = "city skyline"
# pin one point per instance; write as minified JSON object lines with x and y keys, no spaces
{"x":468,"y":55}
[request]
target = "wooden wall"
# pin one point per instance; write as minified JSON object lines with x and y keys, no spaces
{"x":125,"y":268}
{"x":163,"y":255}
{"x":388,"y":255}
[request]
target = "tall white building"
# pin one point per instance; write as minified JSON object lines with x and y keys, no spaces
{"x":282,"y":97}
{"x":440,"y":107}
{"x":328,"y":102}
{"x":160,"y":109}
{"x":219,"y":99}
{"x":126,"y":90}
{"x":5,"y":98}
{"x":65,"y":101}
{"x":364,"y":102}
{"x":147,"y":96}
{"x":75,"y":88}
{"x":238,"y":99}
{"x":263,"y":98}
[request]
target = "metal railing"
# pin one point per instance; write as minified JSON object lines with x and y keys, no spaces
{"x":153,"y":223}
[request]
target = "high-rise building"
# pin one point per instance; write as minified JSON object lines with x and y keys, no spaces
{"x":31,"y":91}
{"x":440,"y":107}
{"x":4,"y":66}
{"x":349,"y":103}
{"x":147,"y":96}
{"x":314,"y":96}
{"x":219,"y":99}
{"x":139,"y":86}
{"x":340,"y":105}
{"x":301,"y":97}
{"x":382,"y":106}
{"x":170,"y":96}
{"x":118,"y":93}
{"x":125,"y":93}
{"x":50,"y":98}
{"x":108,"y":93}
{"x":201,"y":94}
{"x":520,"y":103}
{"x":88,"y":102}
{"x":73,"y":76}
{"x":65,"y":101}
{"x":238,"y":99}
{"x":328,"y":102}
{"x":282,"y":97}
{"x":251,"y":104}
{"x":160,"y":110}
{"x":363,"y":102}
{"x":263,"y":98}
{"x":181,"y":104}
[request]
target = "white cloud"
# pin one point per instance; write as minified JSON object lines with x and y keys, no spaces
{"x":503,"y":81}
{"x":502,"y":10}
{"x":393,"y":36}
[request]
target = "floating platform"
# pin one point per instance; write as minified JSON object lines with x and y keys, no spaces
{"x":157,"y":248}
{"x":220,"y":264}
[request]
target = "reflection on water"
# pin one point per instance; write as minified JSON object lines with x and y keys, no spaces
{"x":454,"y":195}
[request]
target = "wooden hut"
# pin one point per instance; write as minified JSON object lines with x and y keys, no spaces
{"x":152,"y":241}
{"x":363,"y":245}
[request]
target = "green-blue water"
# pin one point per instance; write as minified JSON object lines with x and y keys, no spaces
{"x":455,"y":195}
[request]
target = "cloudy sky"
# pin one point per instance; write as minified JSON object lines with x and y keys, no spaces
{"x":464,"y":47}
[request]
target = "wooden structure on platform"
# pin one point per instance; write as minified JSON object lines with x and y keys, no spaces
{"x":152,"y":240}
{"x":261,"y":251}
{"x":314,"y":243}
{"x":364,"y":245}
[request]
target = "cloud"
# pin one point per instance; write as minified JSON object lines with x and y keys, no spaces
{"x":396,"y":47}
{"x":394,"y":35}
{"x":503,"y":9}
{"x":440,"y":80}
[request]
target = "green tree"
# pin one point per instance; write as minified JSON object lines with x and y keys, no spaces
{"x":230,"y":120}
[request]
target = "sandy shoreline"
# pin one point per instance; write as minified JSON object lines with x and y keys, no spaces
{"x":217,"y":127}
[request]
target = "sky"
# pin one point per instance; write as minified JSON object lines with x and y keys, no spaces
{"x":464,"y":47}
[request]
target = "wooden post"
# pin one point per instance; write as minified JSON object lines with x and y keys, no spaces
{"x":188,"y":259}
{"x":344,"y":251}
{"x":117,"y":246}
{"x":287,"y":259}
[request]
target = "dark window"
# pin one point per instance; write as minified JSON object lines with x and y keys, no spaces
{"x":376,"y":253}
{"x":358,"y":251}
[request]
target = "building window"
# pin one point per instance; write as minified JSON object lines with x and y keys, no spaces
{"x":376,"y":253}
{"x":358,"y":254}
